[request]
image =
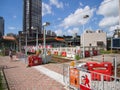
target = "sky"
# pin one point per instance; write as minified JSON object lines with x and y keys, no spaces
{"x":66,"y":17}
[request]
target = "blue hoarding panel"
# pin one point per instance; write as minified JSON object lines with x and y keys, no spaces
{"x":116,"y":43}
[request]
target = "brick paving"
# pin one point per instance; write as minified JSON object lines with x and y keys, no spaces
{"x":52,"y":66}
{"x":20,"y":77}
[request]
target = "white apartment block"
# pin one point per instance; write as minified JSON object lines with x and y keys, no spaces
{"x":94,"y":38}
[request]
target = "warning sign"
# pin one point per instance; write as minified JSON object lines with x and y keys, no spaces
{"x":74,"y":77}
{"x":85,"y":81}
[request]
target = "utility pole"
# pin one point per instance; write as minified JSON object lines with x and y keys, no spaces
{"x":119,"y":12}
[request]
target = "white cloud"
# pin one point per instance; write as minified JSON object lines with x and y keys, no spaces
{"x":11,"y":28}
{"x":112,"y":30}
{"x":59,"y":32}
{"x":81,"y":4}
{"x":76,"y":18}
{"x":109,"y":9}
{"x":73,"y":31}
{"x":46,"y":9}
{"x":108,"y":21}
{"x":56,"y":3}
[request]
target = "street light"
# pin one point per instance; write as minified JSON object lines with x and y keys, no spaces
{"x":25,"y":33}
{"x":84,"y":17}
{"x":44,"y":39}
{"x":20,"y":44}
{"x":34,"y":28}
{"x":26,"y":42}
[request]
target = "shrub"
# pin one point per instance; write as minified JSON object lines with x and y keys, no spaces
{"x":77,"y":57}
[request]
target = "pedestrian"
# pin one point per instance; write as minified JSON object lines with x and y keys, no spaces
{"x":10,"y":54}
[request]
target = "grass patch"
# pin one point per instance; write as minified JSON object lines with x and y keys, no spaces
{"x":105,"y":52}
{"x":1,"y":87}
{"x":77,"y":57}
{"x":109,"y":51}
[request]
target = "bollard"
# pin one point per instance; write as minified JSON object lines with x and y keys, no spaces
{"x":103,"y":58}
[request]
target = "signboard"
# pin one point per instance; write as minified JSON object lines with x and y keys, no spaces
{"x":116,"y":43}
{"x":85,"y":81}
{"x":74,"y":77}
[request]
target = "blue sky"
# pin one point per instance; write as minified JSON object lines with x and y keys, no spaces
{"x":65,"y":16}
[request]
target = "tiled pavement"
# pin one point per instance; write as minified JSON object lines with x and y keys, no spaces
{"x":20,"y":77}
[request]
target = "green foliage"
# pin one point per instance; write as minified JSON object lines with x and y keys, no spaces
{"x":77,"y":57}
{"x":109,"y":51}
{"x":1,"y":87}
{"x":105,"y":52}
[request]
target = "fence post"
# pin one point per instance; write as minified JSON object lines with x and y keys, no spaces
{"x":115,"y":67}
{"x":102,"y":80}
{"x":115,"y":70}
{"x":103,"y":58}
{"x":66,"y":74}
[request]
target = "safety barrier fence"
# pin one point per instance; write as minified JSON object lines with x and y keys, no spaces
{"x":82,"y":79}
{"x":20,"y":55}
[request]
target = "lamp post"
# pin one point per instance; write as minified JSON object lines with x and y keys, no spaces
{"x":34,"y":28}
{"x":111,"y":44}
{"x":26,"y":42}
{"x":44,"y":39}
{"x":20,"y":43}
{"x":84,"y":17}
{"x":25,"y":33}
{"x":37,"y":38}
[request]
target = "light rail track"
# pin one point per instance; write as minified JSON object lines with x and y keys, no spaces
{"x":60,"y":59}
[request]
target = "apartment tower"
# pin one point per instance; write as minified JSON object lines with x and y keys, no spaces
{"x":32,"y":16}
{"x":1,"y":26}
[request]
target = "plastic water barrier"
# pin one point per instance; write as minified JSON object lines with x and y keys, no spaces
{"x":81,"y":79}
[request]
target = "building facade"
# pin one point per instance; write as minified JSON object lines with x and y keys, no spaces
{"x":94,"y":38}
{"x":32,"y":16}
{"x":1,"y":26}
{"x":117,"y":33}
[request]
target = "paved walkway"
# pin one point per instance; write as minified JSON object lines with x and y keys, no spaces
{"x":20,"y":77}
{"x":42,"y":77}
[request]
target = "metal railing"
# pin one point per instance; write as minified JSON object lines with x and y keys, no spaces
{"x":97,"y":81}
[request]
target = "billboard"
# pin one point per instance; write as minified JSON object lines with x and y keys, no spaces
{"x":116,"y":43}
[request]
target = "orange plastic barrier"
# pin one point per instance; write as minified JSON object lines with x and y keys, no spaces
{"x":103,"y":67}
{"x":34,"y":60}
{"x":74,"y":77}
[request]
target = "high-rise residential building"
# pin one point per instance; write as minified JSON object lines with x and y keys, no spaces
{"x":1,"y":26}
{"x":53,"y":34}
{"x":117,"y":33}
{"x":32,"y":16}
{"x":49,"y":32}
